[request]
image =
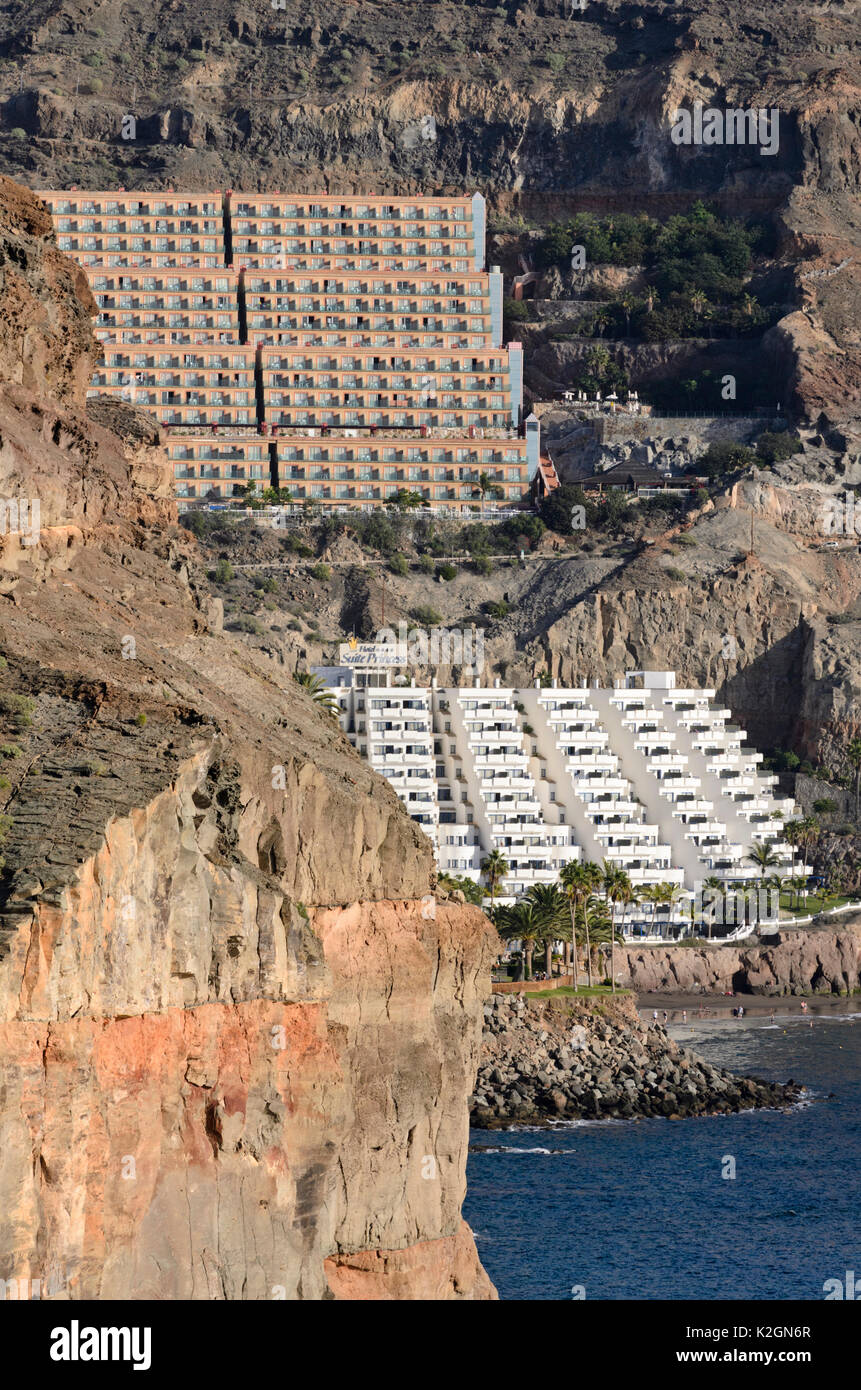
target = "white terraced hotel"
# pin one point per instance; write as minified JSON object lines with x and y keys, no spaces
{"x":648,"y":777}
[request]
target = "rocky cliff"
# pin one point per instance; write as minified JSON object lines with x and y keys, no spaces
{"x":237,"y":1032}
{"x":804,"y":962}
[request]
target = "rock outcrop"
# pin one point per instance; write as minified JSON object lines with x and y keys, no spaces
{"x":804,"y":962}
{"x":563,"y":1059}
{"x":237,"y":1032}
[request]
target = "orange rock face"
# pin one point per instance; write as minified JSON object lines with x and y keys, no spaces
{"x":234,"y":1044}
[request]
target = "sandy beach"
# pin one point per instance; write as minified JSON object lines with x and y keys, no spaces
{"x":701,"y":1007}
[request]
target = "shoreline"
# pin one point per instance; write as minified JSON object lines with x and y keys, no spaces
{"x":704,"y":1007}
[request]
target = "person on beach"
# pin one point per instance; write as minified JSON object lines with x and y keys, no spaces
{"x":666,"y":1018}
{"x":684,"y":1015}
{"x":654,"y":1015}
{"x":804,"y":1006}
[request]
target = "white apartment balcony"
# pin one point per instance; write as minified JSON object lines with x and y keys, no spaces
{"x":582,"y":738}
{"x":491,"y":737}
{"x":688,"y":803}
{"x":704,"y":829}
{"x":675,"y":788}
{"x":666,"y":762}
{"x":645,"y":723}
{"x":493,"y":760}
{"x":651,"y":875}
{"x":591,"y":764}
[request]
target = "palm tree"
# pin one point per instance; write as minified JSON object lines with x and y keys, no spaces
{"x":853,"y":753}
{"x":594,"y":878}
{"x":520,"y":922}
{"x":764,"y":857}
{"x":699,"y":302}
{"x":665,"y":895}
{"x":602,"y":929}
{"x":316,"y":688}
{"x":653,"y":894}
{"x":552,"y":912}
{"x":495,"y":868}
{"x":598,"y":925}
{"x":716,"y":885}
{"x":599,"y":323}
{"x":576,"y":880}
{"x":626,"y":304}
{"x":809,"y":829}
{"x":618,"y":888}
{"x":484,"y":487}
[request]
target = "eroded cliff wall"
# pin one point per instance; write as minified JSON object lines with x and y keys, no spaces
{"x":804,"y":962}
{"x":237,"y":1035}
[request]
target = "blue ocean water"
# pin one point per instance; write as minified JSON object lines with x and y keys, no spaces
{"x":639,"y":1209}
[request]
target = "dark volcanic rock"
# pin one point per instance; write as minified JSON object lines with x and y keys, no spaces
{"x":628,"y":1069}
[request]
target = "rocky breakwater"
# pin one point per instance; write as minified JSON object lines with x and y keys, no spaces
{"x":564,"y":1059}
{"x":236,"y":1047}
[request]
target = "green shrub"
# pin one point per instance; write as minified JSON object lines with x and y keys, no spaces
{"x":244,"y":623}
{"x":18,"y":709}
{"x":9,"y":750}
{"x":774,"y":448}
{"x":18,"y":133}
{"x":482,"y":565}
{"x":515,"y":310}
{"x":321,"y":572}
{"x":723,"y":456}
{"x":399,"y":564}
{"x":675,"y":574}
{"x":223,"y":572}
{"x":426,"y":564}
{"x":447,"y":572}
{"x":426,"y":615}
{"x":141,"y":721}
{"x":499,"y":609}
